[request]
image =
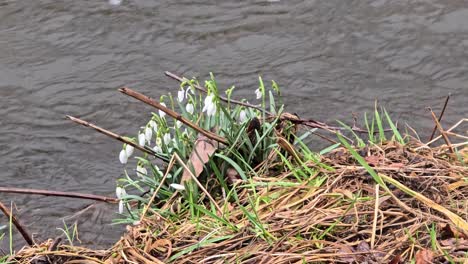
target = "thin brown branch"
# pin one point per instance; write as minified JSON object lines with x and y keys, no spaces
{"x":224,"y":99}
{"x":442,"y":132}
{"x":147,"y":100}
{"x":62,"y":194}
{"x":116,"y":136}
{"x":440,"y":116}
{"x":17,"y":223}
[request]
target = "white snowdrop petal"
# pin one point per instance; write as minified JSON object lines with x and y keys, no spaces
{"x":180,"y":95}
{"x":129,"y":150}
{"x":123,"y":156}
{"x":167,"y":138}
{"x":157,"y":149}
{"x":177,"y":186}
{"x":189,"y":108}
{"x":178,"y":124}
{"x":141,"y":139}
{"x":141,"y":171}
{"x":148,"y":134}
{"x":258,"y":93}
{"x":153,"y":125}
{"x":161,"y":113}
{"x":242,"y":116}
{"x":120,"y":192}
{"x":121,"y":207}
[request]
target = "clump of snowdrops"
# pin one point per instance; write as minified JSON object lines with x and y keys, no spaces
{"x":168,"y":137}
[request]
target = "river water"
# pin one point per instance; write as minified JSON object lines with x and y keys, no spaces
{"x":331,"y":58}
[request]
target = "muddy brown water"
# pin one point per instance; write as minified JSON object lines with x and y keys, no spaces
{"x":331,"y":58}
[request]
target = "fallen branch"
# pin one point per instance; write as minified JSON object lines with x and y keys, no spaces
{"x":147,"y":100}
{"x":117,"y":136}
{"x":62,"y":194}
{"x":17,"y":223}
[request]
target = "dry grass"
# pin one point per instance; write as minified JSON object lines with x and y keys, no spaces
{"x":337,"y":216}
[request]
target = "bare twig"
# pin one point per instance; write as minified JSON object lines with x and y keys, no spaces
{"x":440,"y":117}
{"x":442,"y":132}
{"x":117,"y":136}
{"x":172,"y":113}
{"x":448,"y":130}
{"x":62,"y":194}
{"x":17,"y":224}
{"x":224,"y":99}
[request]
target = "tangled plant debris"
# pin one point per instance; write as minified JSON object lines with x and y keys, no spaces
{"x":218,"y":180}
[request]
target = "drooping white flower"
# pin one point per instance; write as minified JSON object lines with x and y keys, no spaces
{"x":180,"y":95}
{"x":141,"y":171}
{"x":129,"y":150}
{"x":148,"y":134}
{"x":123,"y":156}
{"x":161,"y":113}
{"x":177,"y":186}
{"x":189,"y":108}
{"x":167,"y":138}
{"x":120,"y":192}
{"x":258,"y":93}
{"x":178,"y":124}
{"x":209,"y":106}
{"x":141,"y":139}
{"x":121,"y":207}
{"x":157,"y":149}
{"x":153,"y":125}
{"x":242,"y":116}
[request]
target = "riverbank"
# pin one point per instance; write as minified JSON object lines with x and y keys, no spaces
{"x":338,"y":214}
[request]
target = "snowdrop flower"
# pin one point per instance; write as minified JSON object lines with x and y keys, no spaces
{"x":161,"y":113}
{"x":167,"y":138}
{"x":120,"y":192}
{"x":177,"y":186}
{"x":242,"y":116}
{"x":210,"y":106}
{"x":153,"y":125}
{"x":180,"y":95}
{"x":115,"y":2}
{"x":258,"y":93}
{"x":178,"y":124}
{"x":157,"y":149}
{"x":189,"y":108}
{"x":129,"y":150}
{"x":121,"y":207}
{"x":141,"y":139}
{"x":148,"y":134}
{"x":141,"y":171}
{"x":123,"y":156}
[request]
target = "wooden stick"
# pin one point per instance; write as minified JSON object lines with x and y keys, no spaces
{"x":224,"y":99}
{"x":62,"y":194}
{"x":17,"y":223}
{"x":440,"y":116}
{"x":117,"y":136}
{"x":147,"y":100}
{"x":442,"y":132}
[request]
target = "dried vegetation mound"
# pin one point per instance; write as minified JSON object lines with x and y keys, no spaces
{"x":344,"y":219}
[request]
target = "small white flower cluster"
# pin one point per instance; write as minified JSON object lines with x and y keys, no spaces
{"x":125,"y":153}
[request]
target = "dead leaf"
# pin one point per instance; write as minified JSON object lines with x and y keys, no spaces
{"x":396,"y":260}
{"x":201,"y":153}
{"x":424,"y":256}
{"x":373,"y":160}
